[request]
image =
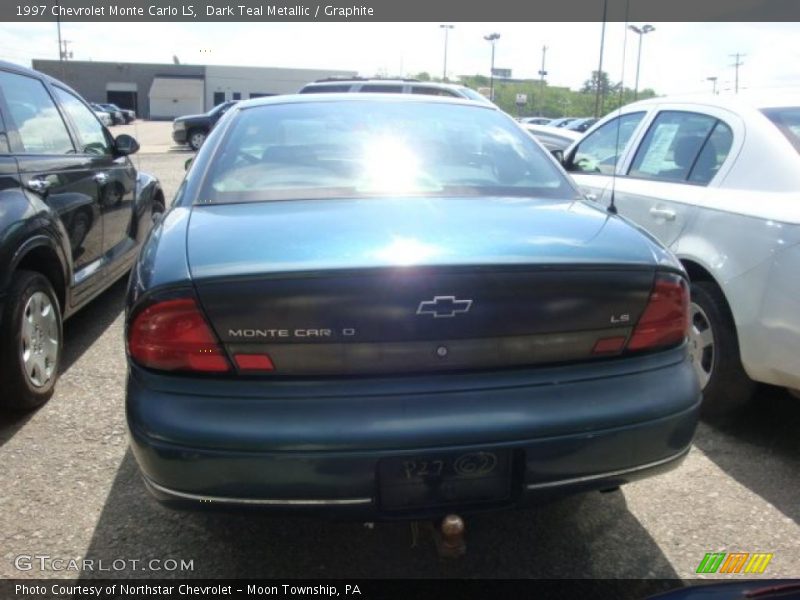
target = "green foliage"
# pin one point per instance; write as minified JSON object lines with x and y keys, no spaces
{"x":556,"y":102}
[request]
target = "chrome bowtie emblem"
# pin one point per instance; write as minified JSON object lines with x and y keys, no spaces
{"x":443,"y":307}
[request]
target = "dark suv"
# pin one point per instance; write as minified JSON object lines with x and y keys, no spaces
{"x":193,"y":129}
{"x":73,"y":214}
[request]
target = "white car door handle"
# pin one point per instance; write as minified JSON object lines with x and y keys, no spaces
{"x":663,"y":213}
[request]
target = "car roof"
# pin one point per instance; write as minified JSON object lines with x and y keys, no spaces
{"x":349,"y":97}
{"x":356,"y":80}
{"x":4,"y":64}
{"x":746,"y":99}
{"x":566,"y":134}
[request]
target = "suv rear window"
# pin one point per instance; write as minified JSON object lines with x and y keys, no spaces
{"x":364,"y":148}
{"x":788,"y":121}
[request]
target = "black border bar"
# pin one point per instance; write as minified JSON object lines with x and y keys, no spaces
{"x":399,"y":10}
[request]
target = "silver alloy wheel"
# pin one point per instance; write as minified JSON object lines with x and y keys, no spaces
{"x":40,"y":339}
{"x":701,"y":344}
{"x":196,"y":140}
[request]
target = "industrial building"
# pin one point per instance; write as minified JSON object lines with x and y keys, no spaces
{"x":166,"y":91}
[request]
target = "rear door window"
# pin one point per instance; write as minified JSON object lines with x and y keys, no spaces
{"x":382,"y":89}
{"x":34,"y":115}
{"x":432,"y":91}
{"x":682,"y":147}
{"x":323,"y":89}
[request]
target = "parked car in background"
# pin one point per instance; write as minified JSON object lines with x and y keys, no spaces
{"x":103,"y":115}
{"x":556,"y":140}
{"x":73,"y":213}
{"x":393,"y":86}
{"x":535,"y":120}
{"x":117,"y":117}
{"x":580,"y":125}
{"x":193,"y":129}
{"x":717,"y":180}
{"x":562,"y":122}
{"x":398,"y":306}
{"x":128,"y":116}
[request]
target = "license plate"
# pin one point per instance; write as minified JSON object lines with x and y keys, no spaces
{"x":448,"y":478}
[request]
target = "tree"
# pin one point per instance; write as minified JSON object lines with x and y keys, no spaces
{"x":600,"y":78}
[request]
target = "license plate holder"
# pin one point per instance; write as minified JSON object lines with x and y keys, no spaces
{"x":440,"y":479}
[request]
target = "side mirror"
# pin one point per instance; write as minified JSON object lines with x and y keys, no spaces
{"x":558,"y":154}
{"x":187,"y":164}
{"x":126,"y":145}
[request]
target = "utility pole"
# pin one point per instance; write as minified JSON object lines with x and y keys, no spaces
{"x":65,"y":54}
{"x":492,"y":39}
{"x":542,"y":74}
{"x":736,"y":66}
{"x":598,"y":92}
{"x":446,"y":28}
{"x":713,"y":81}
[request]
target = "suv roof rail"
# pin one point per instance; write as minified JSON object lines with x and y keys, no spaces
{"x":346,"y":79}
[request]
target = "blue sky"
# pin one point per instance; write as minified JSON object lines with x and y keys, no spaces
{"x":676,"y":58}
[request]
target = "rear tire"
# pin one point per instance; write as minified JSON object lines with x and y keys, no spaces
{"x":714,"y":349}
{"x":31,"y":342}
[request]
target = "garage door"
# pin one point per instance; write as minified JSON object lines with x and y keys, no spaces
{"x":172,"y":97}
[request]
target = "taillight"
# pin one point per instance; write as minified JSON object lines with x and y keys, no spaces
{"x":172,"y":335}
{"x":665,"y":320}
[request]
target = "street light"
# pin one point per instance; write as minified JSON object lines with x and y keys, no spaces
{"x":641,"y":31}
{"x":492,"y":39}
{"x":446,"y":28}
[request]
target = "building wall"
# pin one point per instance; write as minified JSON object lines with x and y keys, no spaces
{"x":245,"y":81}
{"x":91,"y":79}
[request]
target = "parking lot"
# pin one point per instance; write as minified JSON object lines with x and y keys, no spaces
{"x":69,"y":488}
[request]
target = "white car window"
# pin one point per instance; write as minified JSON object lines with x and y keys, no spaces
{"x":600,"y":150}
{"x":683,"y":147}
{"x":787,"y":119}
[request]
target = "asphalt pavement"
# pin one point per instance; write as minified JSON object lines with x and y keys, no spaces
{"x":69,"y":488}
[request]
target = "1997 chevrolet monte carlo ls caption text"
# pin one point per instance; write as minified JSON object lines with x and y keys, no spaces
{"x":389,"y":306}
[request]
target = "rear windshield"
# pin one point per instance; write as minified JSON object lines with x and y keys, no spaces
{"x":364,"y":148}
{"x":788,"y":121}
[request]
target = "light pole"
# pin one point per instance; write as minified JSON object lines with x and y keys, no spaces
{"x":713,"y":81}
{"x":641,"y":31}
{"x":542,"y":74}
{"x":599,"y":92}
{"x":492,"y":39}
{"x":447,"y":29}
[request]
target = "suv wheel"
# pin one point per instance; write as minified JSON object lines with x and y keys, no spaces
{"x":31,"y":341}
{"x":196,"y":138}
{"x":714,"y":350}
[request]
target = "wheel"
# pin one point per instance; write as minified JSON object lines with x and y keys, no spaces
{"x":31,"y":341}
{"x":714,"y":350}
{"x":196,"y":138}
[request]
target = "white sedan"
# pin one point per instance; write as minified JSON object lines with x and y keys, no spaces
{"x":717,"y":180}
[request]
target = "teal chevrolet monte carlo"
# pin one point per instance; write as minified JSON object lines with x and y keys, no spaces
{"x":379,"y":306}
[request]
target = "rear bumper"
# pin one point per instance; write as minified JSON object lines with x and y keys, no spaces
{"x":591,"y":427}
{"x":179,"y":136}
